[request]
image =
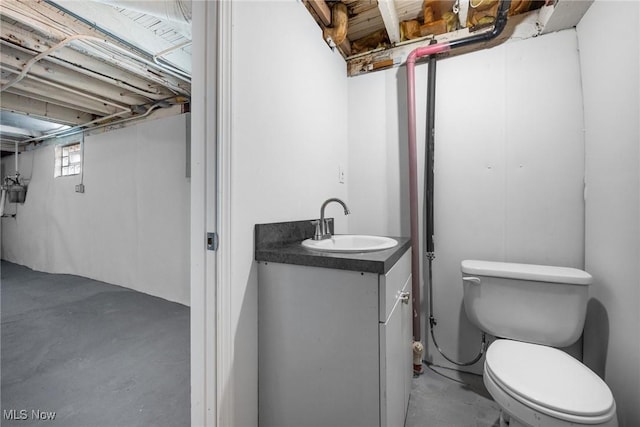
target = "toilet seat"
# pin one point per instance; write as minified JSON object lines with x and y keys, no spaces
{"x":548,"y":381}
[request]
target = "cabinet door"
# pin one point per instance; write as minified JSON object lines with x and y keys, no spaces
{"x":396,"y":338}
{"x":318,"y":353}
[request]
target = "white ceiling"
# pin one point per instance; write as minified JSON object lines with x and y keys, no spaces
{"x":88,"y":63}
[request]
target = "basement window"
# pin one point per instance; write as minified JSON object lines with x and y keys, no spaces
{"x":68,"y":160}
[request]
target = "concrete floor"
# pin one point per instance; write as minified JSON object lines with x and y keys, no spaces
{"x":443,"y":397}
{"x":94,"y":353}
{"x":102,"y":355}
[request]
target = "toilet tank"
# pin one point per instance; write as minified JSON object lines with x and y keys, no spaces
{"x":525,"y":302}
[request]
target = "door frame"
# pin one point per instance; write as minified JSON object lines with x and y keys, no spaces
{"x":211,"y":334}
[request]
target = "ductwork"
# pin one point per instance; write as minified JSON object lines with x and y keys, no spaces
{"x":178,"y":12}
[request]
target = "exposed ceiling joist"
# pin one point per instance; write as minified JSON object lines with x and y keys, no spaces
{"x":47,"y":93}
{"x":74,"y":59}
{"x":59,"y":76}
{"x":390,"y":18}
{"x":43,"y":110}
{"x":322,"y":10}
{"x":375,"y":40}
{"x":382,"y":32}
{"x":54,"y":27}
{"x":365,"y":23}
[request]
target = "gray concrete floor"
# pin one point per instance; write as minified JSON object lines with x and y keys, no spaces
{"x":102,"y":355}
{"x":94,"y":353}
{"x":443,"y":397}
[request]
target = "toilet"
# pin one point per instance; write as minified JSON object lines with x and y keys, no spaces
{"x":531,"y":310}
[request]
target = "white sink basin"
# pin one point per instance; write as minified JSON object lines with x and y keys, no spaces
{"x":350,"y":243}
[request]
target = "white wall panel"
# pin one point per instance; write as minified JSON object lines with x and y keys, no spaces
{"x":611,"y":84}
{"x":508,"y":165}
{"x":289,"y":135}
{"x":130,"y":227}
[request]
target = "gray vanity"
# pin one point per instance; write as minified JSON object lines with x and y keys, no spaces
{"x":334,"y":332}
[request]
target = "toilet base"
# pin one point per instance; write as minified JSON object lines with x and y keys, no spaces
{"x":507,"y":421}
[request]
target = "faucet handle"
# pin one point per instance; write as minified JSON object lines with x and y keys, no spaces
{"x":327,"y":225}
{"x":318,"y":232}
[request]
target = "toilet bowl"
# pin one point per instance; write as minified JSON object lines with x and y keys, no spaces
{"x":531,"y":309}
{"x":536,"y":385}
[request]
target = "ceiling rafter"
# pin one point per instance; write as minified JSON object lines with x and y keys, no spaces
{"x":58,"y":74}
{"x":44,"y":110}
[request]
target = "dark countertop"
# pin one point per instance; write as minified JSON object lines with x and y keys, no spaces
{"x":281,"y":242}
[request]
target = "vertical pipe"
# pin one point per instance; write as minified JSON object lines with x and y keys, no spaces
{"x":429,"y":157}
{"x":16,"y":171}
{"x":500,"y":23}
{"x":413,"y":176}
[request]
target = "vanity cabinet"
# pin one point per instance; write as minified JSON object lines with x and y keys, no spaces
{"x":334,"y":345}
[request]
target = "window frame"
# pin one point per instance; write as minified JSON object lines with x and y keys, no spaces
{"x":64,"y":154}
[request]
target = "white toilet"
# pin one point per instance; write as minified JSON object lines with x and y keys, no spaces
{"x":532,"y":309}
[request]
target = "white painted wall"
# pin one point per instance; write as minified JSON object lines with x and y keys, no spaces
{"x":611,"y":85}
{"x":289,"y":134}
{"x":509,"y":165}
{"x":131,"y":226}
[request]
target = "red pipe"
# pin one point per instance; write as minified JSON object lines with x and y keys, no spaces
{"x":413,"y":175}
{"x":500,"y":23}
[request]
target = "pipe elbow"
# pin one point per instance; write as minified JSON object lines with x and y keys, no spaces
{"x":421,"y":52}
{"x":411,"y":58}
{"x":501,"y":18}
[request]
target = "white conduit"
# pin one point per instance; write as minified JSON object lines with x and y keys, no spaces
{"x":38,"y":57}
{"x":85,"y":37}
{"x":59,"y":132}
{"x":110,"y":80}
{"x":173,"y":73}
{"x":29,"y":19}
{"x":79,"y":128}
{"x":17,"y":173}
{"x":169,"y":50}
{"x":74,"y":91}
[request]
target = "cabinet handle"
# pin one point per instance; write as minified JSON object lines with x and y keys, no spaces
{"x":405,"y":297}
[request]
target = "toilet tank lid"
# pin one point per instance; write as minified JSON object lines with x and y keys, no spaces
{"x":539,"y":273}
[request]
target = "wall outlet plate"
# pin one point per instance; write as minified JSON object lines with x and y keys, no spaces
{"x":80,"y":188}
{"x":341,"y":174}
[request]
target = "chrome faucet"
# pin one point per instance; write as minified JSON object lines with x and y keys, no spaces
{"x":322,"y":226}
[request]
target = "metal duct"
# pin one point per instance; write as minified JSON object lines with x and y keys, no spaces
{"x":178,"y":12}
